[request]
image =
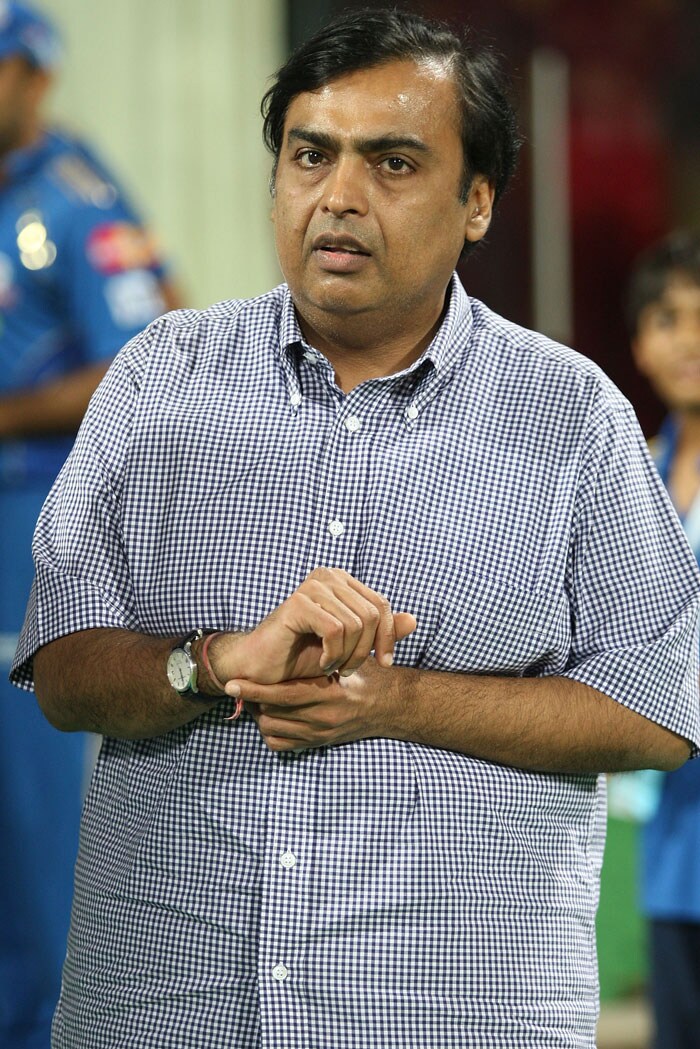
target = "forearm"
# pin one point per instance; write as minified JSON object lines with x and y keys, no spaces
{"x":113,"y":682}
{"x":51,"y":408}
{"x":542,"y":724}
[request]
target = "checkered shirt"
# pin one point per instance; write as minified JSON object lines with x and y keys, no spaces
{"x":381,"y":893}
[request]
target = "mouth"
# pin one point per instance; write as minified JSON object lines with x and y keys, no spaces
{"x":340,"y":255}
{"x":334,"y":245}
{"x":688,"y":371}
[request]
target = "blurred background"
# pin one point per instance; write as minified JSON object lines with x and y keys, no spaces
{"x":169,"y":91}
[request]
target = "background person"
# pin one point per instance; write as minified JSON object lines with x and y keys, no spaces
{"x":664,"y":317}
{"x":78,"y":276}
{"x":400,"y":848}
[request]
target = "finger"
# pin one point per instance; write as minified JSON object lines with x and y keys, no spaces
{"x":337,"y":622}
{"x":283,"y":693}
{"x":404,"y":624}
{"x":369,"y":612}
{"x":378,"y":632}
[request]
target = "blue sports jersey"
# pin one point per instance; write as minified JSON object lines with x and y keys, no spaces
{"x":79,"y":276}
{"x":671,"y":838}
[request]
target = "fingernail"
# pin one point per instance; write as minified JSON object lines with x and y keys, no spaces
{"x":331,"y":668}
{"x":346,"y":673}
{"x":387,"y":660}
{"x":232,"y":689}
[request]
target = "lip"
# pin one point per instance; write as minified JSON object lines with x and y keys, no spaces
{"x":335,"y":242}
{"x":339,"y":254}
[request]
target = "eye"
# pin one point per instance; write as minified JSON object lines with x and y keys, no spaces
{"x":396,"y":165}
{"x":309,"y":158}
{"x":665,"y":318}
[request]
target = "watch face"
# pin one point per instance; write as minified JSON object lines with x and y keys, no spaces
{"x":179,"y":670}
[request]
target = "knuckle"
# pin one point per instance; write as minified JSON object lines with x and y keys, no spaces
{"x":335,"y":630}
{"x":321,"y":573}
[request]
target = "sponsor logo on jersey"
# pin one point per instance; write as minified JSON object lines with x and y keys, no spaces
{"x":134,"y":299}
{"x":115,"y":247}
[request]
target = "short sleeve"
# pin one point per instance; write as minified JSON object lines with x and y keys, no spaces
{"x":82,"y":578}
{"x":634,"y":581}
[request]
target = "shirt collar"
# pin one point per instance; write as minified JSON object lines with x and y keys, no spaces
{"x":448,"y":347}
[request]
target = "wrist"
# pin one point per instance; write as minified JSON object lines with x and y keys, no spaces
{"x":208,"y":681}
{"x":214,"y":656}
{"x":402,"y":708}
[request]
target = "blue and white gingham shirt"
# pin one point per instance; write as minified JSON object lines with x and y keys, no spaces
{"x":381,"y":893}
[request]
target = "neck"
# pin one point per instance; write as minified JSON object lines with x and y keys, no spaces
{"x":688,"y":424}
{"x":29,"y":137}
{"x":360,"y":351}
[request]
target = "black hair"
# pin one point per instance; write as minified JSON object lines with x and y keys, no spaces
{"x":676,"y":255}
{"x":361,"y":39}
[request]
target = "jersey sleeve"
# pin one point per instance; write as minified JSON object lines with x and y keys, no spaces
{"x":634,"y":582}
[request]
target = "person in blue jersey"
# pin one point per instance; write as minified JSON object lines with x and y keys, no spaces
{"x":78,"y":276}
{"x":664,"y":318}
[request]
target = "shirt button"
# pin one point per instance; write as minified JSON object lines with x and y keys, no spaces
{"x":295,"y":399}
{"x":310,"y":357}
{"x":352,"y":423}
{"x":336,"y":528}
{"x":412,"y":412}
{"x":288,"y":860}
{"x":280,"y":973}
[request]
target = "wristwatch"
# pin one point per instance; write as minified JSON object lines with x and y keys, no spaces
{"x":181,"y":667}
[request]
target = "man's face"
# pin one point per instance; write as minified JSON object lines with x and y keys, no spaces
{"x":18,"y":99}
{"x":667,"y":345}
{"x":368,"y":221}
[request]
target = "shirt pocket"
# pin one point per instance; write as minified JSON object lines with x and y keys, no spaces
{"x":484,"y":625}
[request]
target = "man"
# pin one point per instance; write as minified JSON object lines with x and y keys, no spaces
{"x":664,"y":318}
{"x":398,"y":849}
{"x":78,"y":276}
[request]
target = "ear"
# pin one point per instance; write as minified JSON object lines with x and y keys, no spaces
{"x":479,"y":208}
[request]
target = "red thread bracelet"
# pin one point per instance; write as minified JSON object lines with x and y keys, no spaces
{"x":214,"y":679}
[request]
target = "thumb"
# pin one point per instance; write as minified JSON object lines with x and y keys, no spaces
{"x":404,"y":624}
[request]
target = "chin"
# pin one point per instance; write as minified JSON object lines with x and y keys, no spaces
{"x":690,"y":405}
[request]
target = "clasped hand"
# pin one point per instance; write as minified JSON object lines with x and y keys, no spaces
{"x":294,"y":670}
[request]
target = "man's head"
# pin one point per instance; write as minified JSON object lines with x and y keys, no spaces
{"x":360,"y":40}
{"x":391,"y":141}
{"x":29,"y":52}
{"x":663,"y":314}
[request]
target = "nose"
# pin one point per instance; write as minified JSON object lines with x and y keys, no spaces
{"x":345,"y":188}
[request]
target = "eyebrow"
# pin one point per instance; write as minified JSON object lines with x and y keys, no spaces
{"x":381,"y":144}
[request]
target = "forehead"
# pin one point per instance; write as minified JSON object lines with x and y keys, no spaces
{"x":680,"y":291}
{"x":397,"y":96}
